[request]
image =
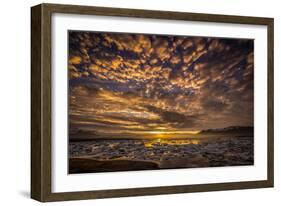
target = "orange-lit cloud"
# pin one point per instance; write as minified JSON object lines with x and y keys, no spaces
{"x":136,"y":82}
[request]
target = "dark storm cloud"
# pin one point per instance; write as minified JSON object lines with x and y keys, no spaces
{"x":173,"y":117}
{"x":136,"y":82}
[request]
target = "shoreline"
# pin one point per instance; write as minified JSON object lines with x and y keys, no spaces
{"x":130,"y":155}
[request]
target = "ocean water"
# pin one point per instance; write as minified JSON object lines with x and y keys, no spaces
{"x":170,"y":153}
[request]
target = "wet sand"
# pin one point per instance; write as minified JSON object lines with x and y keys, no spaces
{"x":88,"y":165}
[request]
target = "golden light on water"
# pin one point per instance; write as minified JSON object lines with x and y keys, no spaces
{"x":165,"y":138}
{"x":166,"y":142}
{"x":162,"y":135}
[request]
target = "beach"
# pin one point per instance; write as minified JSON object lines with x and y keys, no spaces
{"x":137,"y":154}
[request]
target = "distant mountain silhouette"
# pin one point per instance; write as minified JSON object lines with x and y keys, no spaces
{"x":230,"y":130}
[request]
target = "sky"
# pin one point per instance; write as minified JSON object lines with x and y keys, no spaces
{"x":139,"y":83}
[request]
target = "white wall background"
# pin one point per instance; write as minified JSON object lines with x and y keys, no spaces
{"x":15,"y":102}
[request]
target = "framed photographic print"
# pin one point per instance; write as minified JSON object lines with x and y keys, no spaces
{"x":132,"y":102}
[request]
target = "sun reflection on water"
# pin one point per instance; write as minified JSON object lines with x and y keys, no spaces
{"x":166,"y":142}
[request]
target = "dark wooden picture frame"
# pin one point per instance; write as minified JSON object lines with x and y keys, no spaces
{"x":41,"y":117}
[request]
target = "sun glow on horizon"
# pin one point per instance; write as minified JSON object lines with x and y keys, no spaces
{"x":173,"y":132}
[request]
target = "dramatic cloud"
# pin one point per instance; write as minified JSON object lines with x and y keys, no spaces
{"x":133,"y":82}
